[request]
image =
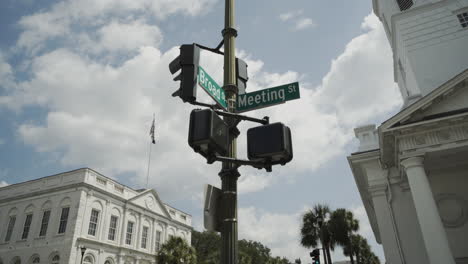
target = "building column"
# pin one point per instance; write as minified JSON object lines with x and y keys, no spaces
{"x":104,"y":221}
{"x":123,"y":229}
{"x":432,"y":228}
{"x":138,"y":228}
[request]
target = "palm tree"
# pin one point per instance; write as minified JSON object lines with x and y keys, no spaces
{"x":176,"y":251}
{"x":342,"y":226}
{"x":362,"y":250}
{"x":315,"y":229}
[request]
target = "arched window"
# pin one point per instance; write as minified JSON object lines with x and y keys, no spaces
{"x":107,"y":262}
{"x":55,"y":259}
{"x":88,"y":260}
{"x":36,"y":260}
{"x":404,"y":4}
{"x":15,"y":260}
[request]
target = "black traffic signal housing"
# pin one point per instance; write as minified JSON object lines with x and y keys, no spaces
{"x":315,"y":254}
{"x":242,"y":75}
{"x":187,"y":63}
{"x":208,"y":134}
{"x":270,"y":143}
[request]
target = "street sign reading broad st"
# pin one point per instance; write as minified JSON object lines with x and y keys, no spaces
{"x":211,"y":87}
{"x":267,"y":97}
{"x":249,"y":101}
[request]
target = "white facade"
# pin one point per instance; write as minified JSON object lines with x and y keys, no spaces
{"x":116,"y":224}
{"x":412,"y":171}
{"x":428,"y":42}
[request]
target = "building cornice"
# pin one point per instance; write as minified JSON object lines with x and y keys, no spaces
{"x":411,"y":120}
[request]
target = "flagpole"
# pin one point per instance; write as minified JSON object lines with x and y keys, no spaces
{"x":150,"y":148}
{"x":149,"y":161}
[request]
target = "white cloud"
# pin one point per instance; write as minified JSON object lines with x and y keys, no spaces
{"x":279,"y":232}
{"x":359,"y":85}
{"x":85,"y":16}
{"x":300,"y":22}
{"x":128,"y":37}
{"x":3,"y":175}
{"x":304,"y":23}
{"x":289,"y":15}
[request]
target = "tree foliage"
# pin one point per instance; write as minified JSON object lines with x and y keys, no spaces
{"x":176,"y":251}
{"x":342,"y":226}
{"x":208,"y":245}
{"x":333,"y":228}
{"x":315,"y":229}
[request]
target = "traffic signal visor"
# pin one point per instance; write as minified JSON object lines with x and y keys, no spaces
{"x":187,"y":64}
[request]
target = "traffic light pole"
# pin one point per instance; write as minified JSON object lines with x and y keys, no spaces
{"x":229,"y":173}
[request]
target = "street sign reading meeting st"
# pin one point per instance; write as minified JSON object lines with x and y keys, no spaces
{"x":267,"y":97}
{"x":211,"y":87}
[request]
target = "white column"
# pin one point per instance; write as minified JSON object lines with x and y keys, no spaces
{"x":153,"y":236}
{"x":138,"y":235}
{"x":104,"y":220}
{"x":433,"y":231}
{"x":123,"y":229}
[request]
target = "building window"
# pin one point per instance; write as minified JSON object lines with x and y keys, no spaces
{"x":463,"y":18}
{"x":93,"y":221}
{"x":158,"y":240}
{"x":27,"y":226}
{"x":112,"y":227}
{"x":183,"y":217}
{"x":36,"y":260}
{"x":55,"y":260}
{"x":88,"y":260}
{"x":11,"y":225}
{"x":128,"y":239}
{"x":63,"y":220}
{"x":404,"y":4}
{"x":144,"y":237}
{"x":44,"y":223}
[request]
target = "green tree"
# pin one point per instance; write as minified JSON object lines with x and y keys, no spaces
{"x":361,"y":249}
{"x":257,"y":252}
{"x":315,"y":229}
{"x":176,"y":251}
{"x":207,"y":246}
{"x":278,"y":260}
{"x":342,"y":226}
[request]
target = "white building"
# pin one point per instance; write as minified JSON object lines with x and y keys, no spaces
{"x":49,"y":220}
{"x":412,"y":171}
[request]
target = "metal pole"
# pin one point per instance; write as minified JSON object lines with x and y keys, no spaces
{"x":229,"y":173}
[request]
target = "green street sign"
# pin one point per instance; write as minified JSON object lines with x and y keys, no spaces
{"x":267,"y":97}
{"x":211,"y":87}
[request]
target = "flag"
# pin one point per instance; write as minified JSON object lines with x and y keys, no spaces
{"x":152,"y":132}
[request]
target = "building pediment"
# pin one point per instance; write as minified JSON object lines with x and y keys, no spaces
{"x":437,"y":118}
{"x":150,"y":199}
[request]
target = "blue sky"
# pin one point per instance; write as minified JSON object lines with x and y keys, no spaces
{"x":80,"y":80}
